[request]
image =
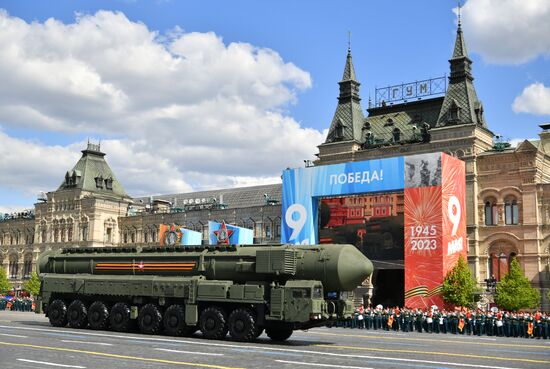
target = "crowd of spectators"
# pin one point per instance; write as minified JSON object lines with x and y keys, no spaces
{"x":494,"y":322}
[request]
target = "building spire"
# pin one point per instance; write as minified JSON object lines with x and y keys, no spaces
{"x":461,"y":105}
{"x":460,"y":46}
{"x":349,"y":70}
{"x":348,"y":119}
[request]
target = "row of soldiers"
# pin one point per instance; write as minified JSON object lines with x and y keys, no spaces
{"x":16,"y":304}
{"x":464,"y":321}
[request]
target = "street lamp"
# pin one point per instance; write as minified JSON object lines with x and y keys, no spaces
{"x":491,"y":284}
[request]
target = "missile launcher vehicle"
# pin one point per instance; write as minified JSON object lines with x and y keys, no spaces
{"x":240,"y":290}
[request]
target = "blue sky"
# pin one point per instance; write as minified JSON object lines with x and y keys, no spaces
{"x":156,"y":123}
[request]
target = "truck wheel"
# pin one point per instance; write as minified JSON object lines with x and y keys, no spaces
{"x":242,"y":325}
{"x":212,"y":323}
{"x":150,"y":319}
{"x":278,"y":334}
{"x":57,"y":313}
{"x":98,"y":315}
{"x":120,"y":317}
{"x":174,"y":321}
{"x":77,"y":314}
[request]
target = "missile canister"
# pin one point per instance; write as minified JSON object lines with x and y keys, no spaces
{"x":237,"y":289}
{"x":338,"y":267}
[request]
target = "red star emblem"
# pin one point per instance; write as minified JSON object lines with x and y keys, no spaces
{"x":223,"y":234}
{"x":140,"y":265}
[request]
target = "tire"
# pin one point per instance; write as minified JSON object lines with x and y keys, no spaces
{"x":57,"y":313}
{"x":242,"y":325}
{"x":120,"y":317}
{"x":150,"y":319}
{"x":98,"y":315}
{"x":212,"y":323}
{"x":77,"y":315}
{"x":174,"y":320}
{"x":278,"y":334}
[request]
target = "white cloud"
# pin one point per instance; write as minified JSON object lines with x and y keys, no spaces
{"x":514,"y":142}
{"x":507,"y":31}
{"x":534,"y":99}
{"x":28,"y":167}
{"x":180,"y":111}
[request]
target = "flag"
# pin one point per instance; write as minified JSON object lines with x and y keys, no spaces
{"x":461,"y":324}
{"x":530,"y":328}
{"x":228,"y":234}
{"x":176,"y":235}
{"x":390,"y":321}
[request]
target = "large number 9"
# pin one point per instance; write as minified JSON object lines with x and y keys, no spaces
{"x":295,"y":224}
{"x":454,"y":216}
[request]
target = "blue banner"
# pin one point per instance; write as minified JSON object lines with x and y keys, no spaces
{"x":303,"y":186}
{"x":190,"y":238}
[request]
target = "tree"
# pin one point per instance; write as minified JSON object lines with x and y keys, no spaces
{"x":459,"y":286}
{"x":32,"y":286}
{"x":5,"y":284}
{"x":514,"y":291}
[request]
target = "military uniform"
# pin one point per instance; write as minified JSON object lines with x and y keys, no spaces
{"x":529,"y":326}
{"x":454,"y":323}
{"x":489,"y":324}
{"x":378,"y":320}
{"x":480,"y":323}
{"x":507,"y":324}
{"x":538,"y":325}
{"x":523,"y":325}
{"x":407,"y":317}
{"x":499,"y":325}
{"x":545,"y":326}
{"x":368,"y":318}
{"x":514,"y":326}
{"x":468,"y":322}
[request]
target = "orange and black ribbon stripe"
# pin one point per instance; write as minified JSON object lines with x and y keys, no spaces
{"x":146,"y":266}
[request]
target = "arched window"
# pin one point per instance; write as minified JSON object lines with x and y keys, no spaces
{"x":499,"y":261}
{"x":511,"y":211}
{"x":14,"y":266}
{"x":70,"y":230}
{"x":491,"y":213}
{"x":27,"y":267}
{"x":84,"y":229}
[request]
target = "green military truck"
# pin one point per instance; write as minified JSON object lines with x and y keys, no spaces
{"x":242,"y":290}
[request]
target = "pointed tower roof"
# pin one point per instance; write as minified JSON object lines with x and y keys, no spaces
{"x":460,"y":46}
{"x":461,"y":105}
{"x":349,"y":70}
{"x":92,"y":173}
{"x":348,"y":119}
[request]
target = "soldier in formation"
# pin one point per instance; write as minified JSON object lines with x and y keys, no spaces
{"x":464,"y":321}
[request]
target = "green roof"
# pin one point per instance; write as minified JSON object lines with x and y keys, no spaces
{"x":92,"y":173}
{"x":408,"y":118}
